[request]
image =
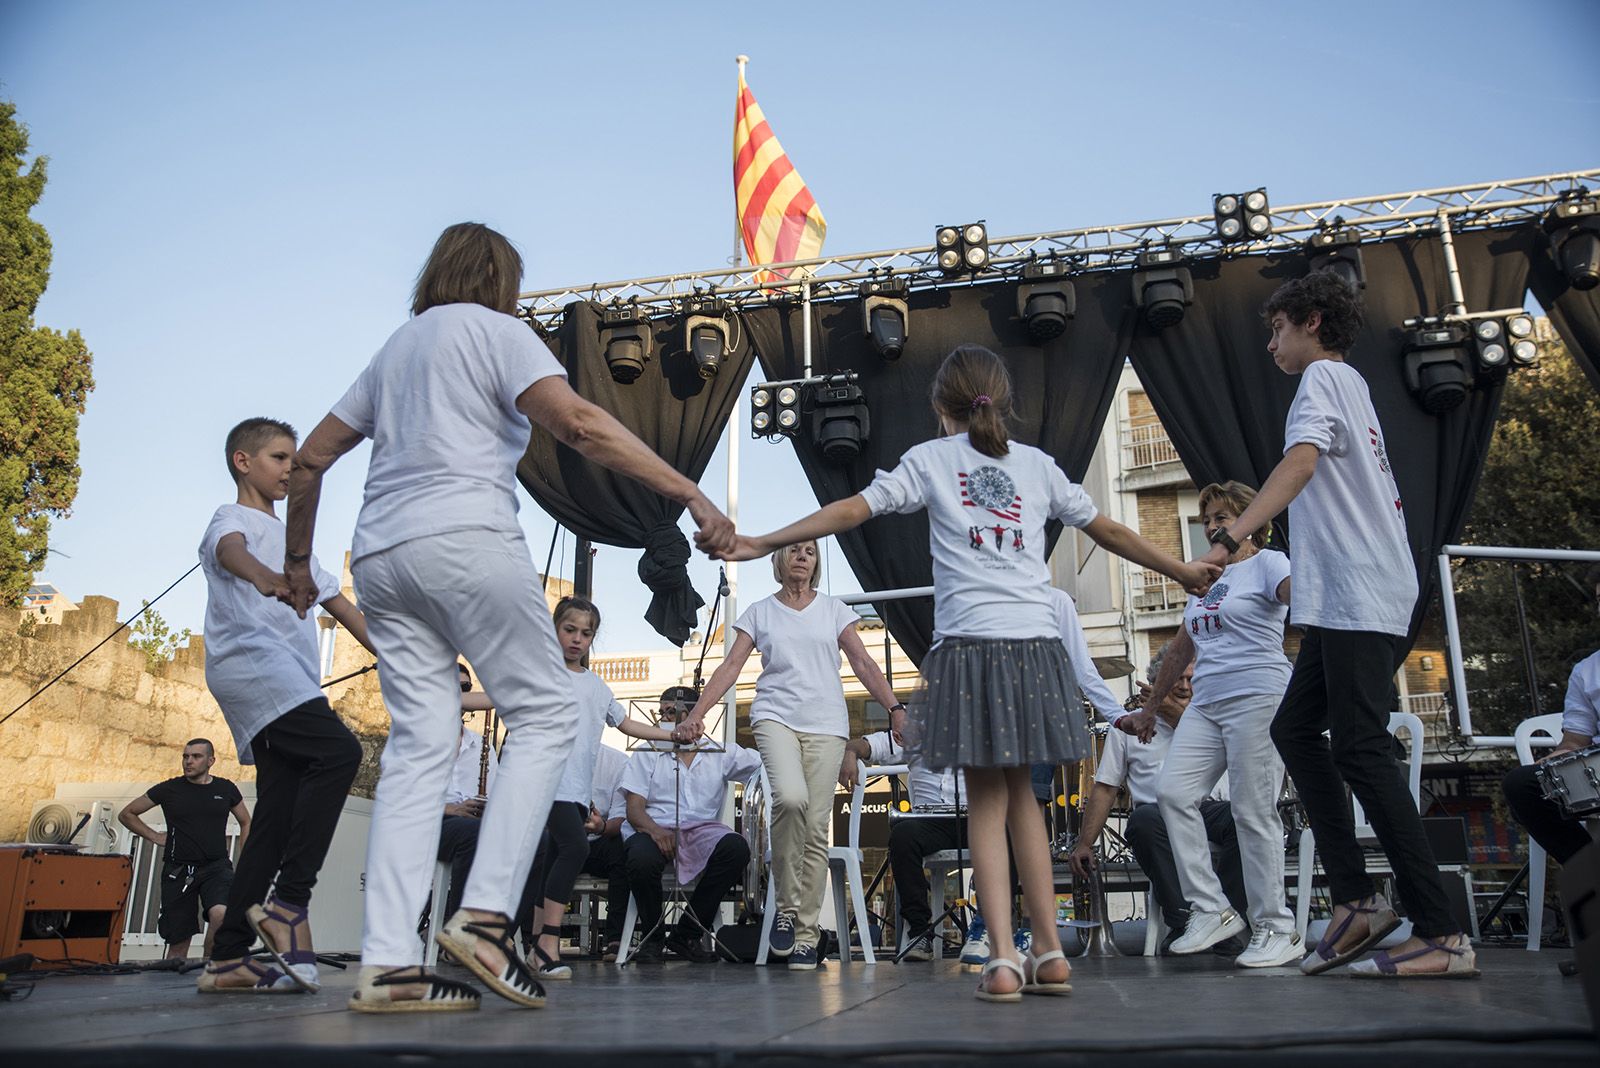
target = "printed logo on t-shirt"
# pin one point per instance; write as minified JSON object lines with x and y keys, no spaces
{"x":993,"y":490}
{"x":1376,"y":440}
{"x":1208,"y":624}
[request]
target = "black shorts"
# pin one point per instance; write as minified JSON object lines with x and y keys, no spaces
{"x":187,"y":892}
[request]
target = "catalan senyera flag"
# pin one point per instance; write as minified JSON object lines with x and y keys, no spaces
{"x":778,"y":218}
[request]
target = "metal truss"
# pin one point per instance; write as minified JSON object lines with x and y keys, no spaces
{"x":1463,"y":207}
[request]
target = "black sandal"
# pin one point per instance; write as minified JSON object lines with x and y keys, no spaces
{"x":550,"y":967}
{"x":373,"y":992}
{"x":515,"y":982}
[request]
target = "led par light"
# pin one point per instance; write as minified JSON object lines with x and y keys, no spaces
{"x":1162,"y":287}
{"x":626,"y":331}
{"x":1519,"y":332}
{"x":1046,"y":299}
{"x":885,"y":316}
{"x":1242,"y":216}
{"x":962,"y":249}
{"x":1437,"y":368}
{"x":1492,"y":352}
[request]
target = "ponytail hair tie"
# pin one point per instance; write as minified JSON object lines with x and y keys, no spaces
{"x":980,"y":400}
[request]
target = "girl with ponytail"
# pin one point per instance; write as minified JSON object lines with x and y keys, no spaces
{"x":998,"y":692}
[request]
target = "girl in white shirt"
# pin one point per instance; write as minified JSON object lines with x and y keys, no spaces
{"x":1234,"y":635}
{"x":573,"y":818}
{"x":998,"y":692}
{"x":801,"y":725}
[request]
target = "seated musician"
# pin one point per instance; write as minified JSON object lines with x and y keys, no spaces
{"x":673,"y":814}
{"x":1137,"y":765}
{"x":1561,"y":836}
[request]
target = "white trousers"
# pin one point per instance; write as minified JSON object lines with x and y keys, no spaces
{"x":803,"y":770}
{"x":1233,"y":735}
{"x":428,"y":601}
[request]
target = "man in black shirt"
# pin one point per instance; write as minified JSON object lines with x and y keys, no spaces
{"x":195,"y":868}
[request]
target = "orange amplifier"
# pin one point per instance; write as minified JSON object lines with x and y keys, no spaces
{"x":60,"y":905}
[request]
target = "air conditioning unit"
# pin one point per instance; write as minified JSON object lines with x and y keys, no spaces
{"x":89,"y":825}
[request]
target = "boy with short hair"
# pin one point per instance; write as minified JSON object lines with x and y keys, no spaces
{"x":262,"y":666}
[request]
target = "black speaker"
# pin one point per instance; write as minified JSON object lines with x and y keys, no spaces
{"x":1580,"y":896}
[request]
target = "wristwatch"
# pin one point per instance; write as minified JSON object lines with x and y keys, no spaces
{"x":1221,"y":537}
{"x":296,"y":558}
{"x":898,"y":706}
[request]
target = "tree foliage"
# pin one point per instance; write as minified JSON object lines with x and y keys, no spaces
{"x":45,"y":377}
{"x":152,"y":634}
{"x":1539,"y":489}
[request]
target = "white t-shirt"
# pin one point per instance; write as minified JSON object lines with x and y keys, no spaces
{"x":1237,"y":630}
{"x":596,"y":708}
{"x":1353,"y":567}
{"x":986,"y":518}
{"x":1077,"y":644}
{"x":261,"y":658}
{"x":464,"y":772}
{"x":1128,"y":761}
{"x":605,"y":794}
{"x":439,"y":403}
{"x":926,"y":787}
{"x":799,"y":682}
{"x":1582,"y":712}
{"x":703,"y":785}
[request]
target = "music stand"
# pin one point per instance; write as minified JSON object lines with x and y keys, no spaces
{"x":957,"y":909}
{"x":677,"y":896}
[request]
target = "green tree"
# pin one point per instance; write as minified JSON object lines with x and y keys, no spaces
{"x":151,"y":634}
{"x":45,"y":377}
{"x":1539,"y":489}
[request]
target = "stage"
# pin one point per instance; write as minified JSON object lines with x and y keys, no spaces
{"x":1129,"y":1011}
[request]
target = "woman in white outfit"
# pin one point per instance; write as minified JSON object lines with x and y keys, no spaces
{"x":442,"y":571}
{"x":1235,"y":635}
{"x":801,"y":724}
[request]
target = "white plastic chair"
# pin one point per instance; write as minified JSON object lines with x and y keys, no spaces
{"x":1155,"y":928}
{"x":1543,"y":731}
{"x":436,"y":916}
{"x":844,"y":870}
{"x":1398,"y":721}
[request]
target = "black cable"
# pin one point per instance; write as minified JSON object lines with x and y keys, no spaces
{"x":120,"y":628}
{"x":549,"y":557}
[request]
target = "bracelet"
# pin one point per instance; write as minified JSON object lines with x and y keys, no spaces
{"x":296,"y":558}
{"x":898,"y":706}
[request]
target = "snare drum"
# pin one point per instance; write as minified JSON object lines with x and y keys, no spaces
{"x":1572,"y":781}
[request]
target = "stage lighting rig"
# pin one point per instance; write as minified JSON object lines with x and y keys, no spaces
{"x":625,"y":329}
{"x":1438,"y":369}
{"x":1338,"y":249}
{"x":1524,"y":350}
{"x":1492,"y":352}
{"x":1046,"y":298}
{"x":775,"y":409}
{"x":1573,"y":224}
{"x":705,"y":332}
{"x":839,"y":423}
{"x":1242,"y":216}
{"x":962,"y":249}
{"x":885,"y":316}
{"x":1162,"y":287}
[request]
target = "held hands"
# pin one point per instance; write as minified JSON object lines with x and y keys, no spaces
{"x":897,"y":726}
{"x":595,"y":823}
{"x":1142,"y":725}
{"x":744,"y":548}
{"x":689,"y":730}
{"x":1197,"y":577}
{"x":715,"y":536}
{"x":302,"y":588}
{"x":1217,"y":555}
{"x":272,"y":584}
{"x":1082,"y":859}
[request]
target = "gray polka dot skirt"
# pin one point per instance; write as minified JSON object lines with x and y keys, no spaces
{"x":997,"y":702}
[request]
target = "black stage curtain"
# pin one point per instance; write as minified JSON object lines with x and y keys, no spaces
{"x":1574,"y":313}
{"x":677,"y":414}
{"x":1224,"y":401}
{"x":1063,"y":391}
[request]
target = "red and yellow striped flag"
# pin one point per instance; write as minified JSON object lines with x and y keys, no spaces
{"x":778,"y":218}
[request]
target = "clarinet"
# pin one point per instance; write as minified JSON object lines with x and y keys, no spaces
{"x":483,"y":756}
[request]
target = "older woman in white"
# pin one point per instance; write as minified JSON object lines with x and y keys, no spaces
{"x":801,"y":724}
{"x":1235,"y":635}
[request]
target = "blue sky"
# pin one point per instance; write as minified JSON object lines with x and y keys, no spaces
{"x":240,"y":195}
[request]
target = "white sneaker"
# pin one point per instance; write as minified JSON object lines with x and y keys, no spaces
{"x":1271,"y":949}
{"x":1206,"y":929}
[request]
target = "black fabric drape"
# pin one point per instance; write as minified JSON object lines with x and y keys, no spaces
{"x":1063,"y":391}
{"x":1224,"y":401}
{"x":1574,"y":313}
{"x":677,"y":414}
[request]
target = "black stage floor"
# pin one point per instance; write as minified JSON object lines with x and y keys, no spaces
{"x":1124,"y":1011}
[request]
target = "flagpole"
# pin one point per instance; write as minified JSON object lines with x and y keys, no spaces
{"x":738,"y":227}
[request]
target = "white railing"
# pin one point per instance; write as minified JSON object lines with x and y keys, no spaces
{"x":1425,"y":704}
{"x":1146,"y":446}
{"x":1155,"y":592}
{"x":623,"y":668}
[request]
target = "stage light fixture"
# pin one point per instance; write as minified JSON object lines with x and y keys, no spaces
{"x":626,"y":331}
{"x":885,"y":316}
{"x":705,"y":333}
{"x":775,"y":409}
{"x":1492,"y":352}
{"x":1162,"y":287}
{"x":1437,"y":368}
{"x":1338,"y":250}
{"x":761,"y":413}
{"x":1046,"y":299}
{"x":787,"y":413}
{"x":962,"y":249}
{"x":1519,"y":332}
{"x":1573,"y":224}
{"x":839,"y":423}
{"x":1242,"y":216}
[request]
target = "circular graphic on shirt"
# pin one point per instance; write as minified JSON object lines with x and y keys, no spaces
{"x":990,"y":487}
{"x":1214,"y":596}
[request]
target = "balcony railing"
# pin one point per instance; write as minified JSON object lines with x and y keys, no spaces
{"x":1425,"y":704}
{"x":1146,"y":446}
{"x":1154,"y":592}
{"x":623,"y":669}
